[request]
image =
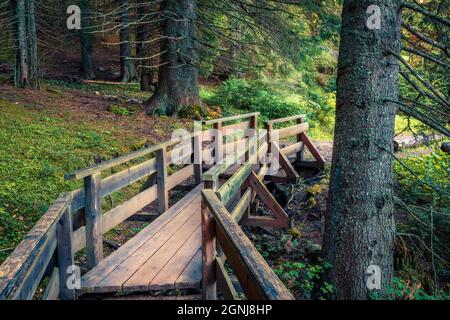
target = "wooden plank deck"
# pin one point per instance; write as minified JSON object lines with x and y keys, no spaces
{"x":165,"y":255}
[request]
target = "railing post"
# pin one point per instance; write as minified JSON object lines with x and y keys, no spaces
{"x":161,"y":179}
{"x":253,"y":127}
{"x":218,"y":143}
{"x":209,"y":282}
{"x":301,"y":153}
{"x":93,"y":216}
{"x":269,"y":129}
{"x":65,"y":254}
{"x":197,"y":156}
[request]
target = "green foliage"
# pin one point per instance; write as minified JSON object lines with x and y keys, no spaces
{"x":431,"y":170}
{"x":307,"y":278}
{"x":241,"y":96}
{"x":120,"y":111}
{"x":405,"y":290}
{"x":35,"y":153}
{"x":422,"y":210}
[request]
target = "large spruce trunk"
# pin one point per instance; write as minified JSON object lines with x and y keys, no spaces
{"x":87,"y":60}
{"x":178,"y":74}
{"x":359,"y":226}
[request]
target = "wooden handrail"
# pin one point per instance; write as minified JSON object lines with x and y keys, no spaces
{"x":232,"y":118}
{"x":254,"y":274}
{"x":97,"y":168}
{"x":23,"y":270}
{"x":286,"y":119}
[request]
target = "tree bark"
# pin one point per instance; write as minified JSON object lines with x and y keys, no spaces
{"x":21,"y":74}
{"x":359,"y":224}
{"x":35,"y":74}
{"x":87,"y":61}
{"x":178,"y":74}
{"x":127,"y":70}
{"x":144,"y":47}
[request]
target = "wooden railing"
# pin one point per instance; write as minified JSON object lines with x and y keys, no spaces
{"x":223,"y":207}
{"x":299,"y":130}
{"x":76,"y":220}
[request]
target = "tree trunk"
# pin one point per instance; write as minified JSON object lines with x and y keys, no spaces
{"x":21,"y":74}
{"x":178,"y":74}
{"x":144,"y":47}
{"x":35,"y":74}
{"x":127,"y":70}
{"x":87,"y":62}
{"x":359,"y":224}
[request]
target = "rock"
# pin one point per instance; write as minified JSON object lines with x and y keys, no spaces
{"x":446,"y":147}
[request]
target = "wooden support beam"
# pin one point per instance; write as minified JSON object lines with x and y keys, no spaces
{"x":161,"y":180}
{"x":218,"y":143}
{"x":301,"y":152}
{"x":294,"y":130}
{"x":209,"y":282}
{"x":286,"y":165}
{"x":256,"y":278}
{"x":224,"y":283}
{"x":269,"y":200}
{"x":93,"y":217}
{"x":197,"y":157}
{"x":65,"y":254}
{"x":308,"y":143}
{"x":52,"y":289}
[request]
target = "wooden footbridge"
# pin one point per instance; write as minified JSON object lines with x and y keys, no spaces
{"x":196,"y":244}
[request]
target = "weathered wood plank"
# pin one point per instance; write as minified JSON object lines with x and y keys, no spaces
{"x":52,"y":289}
{"x":114,"y":280}
{"x":65,"y":254}
{"x":197,"y":157}
{"x":232,"y":118}
{"x":93,"y":277}
{"x":242,"y":205}
{"x":236,"y":128}
{"x":286,"y":119}
{"x":233,"y":185}
{"x":83,"y":173}
{"x":293,"y":148}
{"x":286,"y":165}
{"x":294,"y":130}
{"x":161,"y":178}
{"x":144,"y":273}
{"x":218,"y":143}
{"x":116,"y":182}
{"x":93,"y":215}
{"x":209,"y":284}
{"x":268,"y":199}
{"x":255,"y":276}
{"x":22,"y":271}
{"x":224,"y":283}
{"x":192,"y":275}
{"x":168,"y":275}
{"x":308,"y":143}
{"x":125,"y":210}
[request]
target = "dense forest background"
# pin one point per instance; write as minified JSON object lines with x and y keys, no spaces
{"x":86,"y":96}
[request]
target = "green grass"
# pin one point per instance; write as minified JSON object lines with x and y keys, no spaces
{"x":36,"y":151}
